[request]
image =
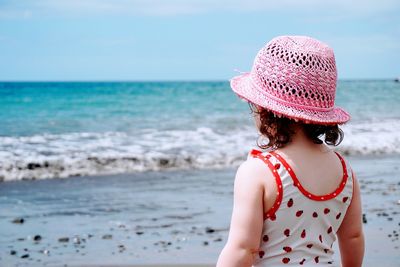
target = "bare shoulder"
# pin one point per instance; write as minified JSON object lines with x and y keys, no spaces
{"x":253,"y":171}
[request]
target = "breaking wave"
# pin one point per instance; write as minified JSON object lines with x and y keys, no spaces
{"x":78,"y":154}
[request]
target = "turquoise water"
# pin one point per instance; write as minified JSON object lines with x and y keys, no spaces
{"x":37,"y":108}
{"x":65,"y":129}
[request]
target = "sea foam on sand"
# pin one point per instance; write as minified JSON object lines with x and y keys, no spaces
{"x":78,"y":154}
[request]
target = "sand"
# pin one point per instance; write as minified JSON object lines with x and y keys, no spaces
{"x":173,"y":217}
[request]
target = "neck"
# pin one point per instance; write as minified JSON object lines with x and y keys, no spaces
{"x":300,"y":142}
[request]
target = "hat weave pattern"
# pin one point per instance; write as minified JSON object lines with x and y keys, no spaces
{"x":294,"y":76}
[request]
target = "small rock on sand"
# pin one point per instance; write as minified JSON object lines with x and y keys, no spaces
{"x":18,"y":220}
{"x":63,"y":239}
{"x":107,"y":236}
{"x":364,"y":218}
{"x":209,"y":230}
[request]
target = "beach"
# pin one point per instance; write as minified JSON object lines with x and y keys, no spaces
{"x":141,"y":174}
{"x":174,"y":217}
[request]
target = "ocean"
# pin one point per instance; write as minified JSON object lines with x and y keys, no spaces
{"x":64,"y":129}
{"x":150,"y":168}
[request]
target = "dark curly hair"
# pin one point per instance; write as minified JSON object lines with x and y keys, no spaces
{"x":279,"y":130}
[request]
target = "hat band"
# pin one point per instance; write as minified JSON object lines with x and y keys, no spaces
{"x":281,"y":101}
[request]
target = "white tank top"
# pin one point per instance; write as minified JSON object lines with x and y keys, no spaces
{"x":300,"y":228}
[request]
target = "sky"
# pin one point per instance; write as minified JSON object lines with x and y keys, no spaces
{"x":156,"y":40}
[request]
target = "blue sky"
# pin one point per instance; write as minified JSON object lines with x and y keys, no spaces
{"x":187,"y":39}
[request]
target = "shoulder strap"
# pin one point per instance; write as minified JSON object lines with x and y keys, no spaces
{"x":274,"y":169}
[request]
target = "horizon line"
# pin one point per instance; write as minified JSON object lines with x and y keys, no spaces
{"x":167,"y":80}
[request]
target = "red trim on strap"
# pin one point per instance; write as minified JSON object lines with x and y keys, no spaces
{"x":255,"y":152}
{"x":303,"y":190}
{"x":279,"y":193}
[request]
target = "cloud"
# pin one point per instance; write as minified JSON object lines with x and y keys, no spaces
{"x":29,"y":8}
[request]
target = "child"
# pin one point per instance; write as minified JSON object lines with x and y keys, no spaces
{"x":291,"y":202}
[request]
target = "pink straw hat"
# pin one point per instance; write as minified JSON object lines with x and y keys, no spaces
{"x":294,"y":76}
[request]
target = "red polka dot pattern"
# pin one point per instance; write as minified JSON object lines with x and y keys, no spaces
{"x":287,"y":249}
{"x":303,"y":233}
{"x":298,"y":216}
{"x":261,"y":253}
{"x":290,"y":203}
{"x":286,"y":232}
{"x":299,"y":213}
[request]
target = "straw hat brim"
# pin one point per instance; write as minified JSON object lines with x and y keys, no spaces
{"x":244,"y":88}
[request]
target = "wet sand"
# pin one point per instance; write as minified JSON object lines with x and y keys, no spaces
{"x":159,"y":265}
{"x":161,"y":218}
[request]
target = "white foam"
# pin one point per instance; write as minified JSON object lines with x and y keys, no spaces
{"x":372,"y":137}
{"x":65,"y":155}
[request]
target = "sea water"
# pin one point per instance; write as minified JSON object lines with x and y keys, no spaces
{"x":63,"y":129}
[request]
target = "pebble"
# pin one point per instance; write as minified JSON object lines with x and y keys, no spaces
{"x":18,"y":220}
{"x":364,"y":218}
{"x":107,"y":236}
{"x":121,"y":248}
{"x":63,"y":239}
{"x":209,"y":230}
{"x":76,"y":240}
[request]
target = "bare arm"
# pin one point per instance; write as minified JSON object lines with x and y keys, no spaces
{"x":247,"y":217}
{"x":350,"y":233}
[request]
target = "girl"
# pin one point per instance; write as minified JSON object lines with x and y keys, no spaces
{"x":292,"y":201}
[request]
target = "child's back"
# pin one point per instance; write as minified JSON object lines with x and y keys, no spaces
{"x":313,"y":192}
{"x":292,"y":202}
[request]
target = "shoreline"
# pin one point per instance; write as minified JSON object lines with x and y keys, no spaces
{"x":179,"y":218}
{"x":168,"y":168}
